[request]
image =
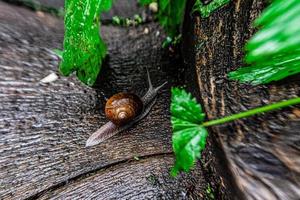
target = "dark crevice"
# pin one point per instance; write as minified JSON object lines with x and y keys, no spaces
{"x":213,"y":161}
{"x":95,"y":171}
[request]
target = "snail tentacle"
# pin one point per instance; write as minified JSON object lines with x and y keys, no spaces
{"x":146,"y":98}
{"x":149,"y":80}
{"x":110,"y":129}
{"x":159,"y":87}
{"x":152,"y":92}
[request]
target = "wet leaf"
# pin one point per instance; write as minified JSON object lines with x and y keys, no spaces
{"x":189,"y":137}
{"x":273,"y":53}
{"x":185,"y":107}
{"x":84,"y":49}
{"x":106,"y":5}
{"x":146,"y":2}
{"x":170,"y":15}
{"x":206,"y":10}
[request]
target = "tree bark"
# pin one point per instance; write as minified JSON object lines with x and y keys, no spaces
{"x":261,"y":152}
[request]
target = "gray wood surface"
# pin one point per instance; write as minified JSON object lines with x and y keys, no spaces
{"x":261,"y":152}
{"x":44,"y":127}
{"x":121,"y":8}
{"x":133,"y":180}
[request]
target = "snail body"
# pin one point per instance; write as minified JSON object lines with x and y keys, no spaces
{"x":123,"y":110}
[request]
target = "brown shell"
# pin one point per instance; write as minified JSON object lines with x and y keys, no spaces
{"x":123,"y":107}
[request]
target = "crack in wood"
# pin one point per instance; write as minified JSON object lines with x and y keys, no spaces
{"x":94,"y":171}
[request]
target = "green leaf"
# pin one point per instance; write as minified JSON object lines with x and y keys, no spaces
{"x":189,"y":130}
{"x":146,"y":2}
{"x":273,"y":53}
{"x":116,"y":20}
{"x":58,"y":52}
{"x":185,"y":107}
{"x":170,"y":15}
{"x":187,"y":146}
{"x":189,"y":137}
{"x":206,"y":10}
{"x":84,"y":50}
{"x":167,"y":42}
{"x":106,"y":5}
{"x":264,"y":72}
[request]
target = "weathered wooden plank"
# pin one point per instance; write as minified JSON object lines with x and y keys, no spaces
{"x":121,"y":8}
{"x":262,"y":152}
{"x":44,"y":127}
{"x":148,"y":179}
{"x":58,"y":4}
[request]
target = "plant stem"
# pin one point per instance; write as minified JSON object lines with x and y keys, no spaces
{"x":252,"y":112}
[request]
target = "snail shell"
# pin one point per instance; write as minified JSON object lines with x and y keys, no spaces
{"x":123,"y":107}
{"x":123,"y":110}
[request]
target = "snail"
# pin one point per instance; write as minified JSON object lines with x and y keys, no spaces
{"x":123,"y":110}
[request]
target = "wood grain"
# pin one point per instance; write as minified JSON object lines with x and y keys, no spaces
{"x":44,"y":127}
{"x":261,"y":152}
{"x":143,"y":179}
{"x":120,"y":8}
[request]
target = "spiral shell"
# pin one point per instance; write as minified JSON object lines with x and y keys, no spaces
{"x":123,"y":107}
